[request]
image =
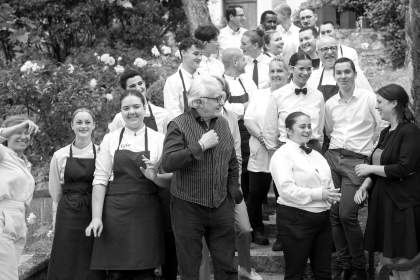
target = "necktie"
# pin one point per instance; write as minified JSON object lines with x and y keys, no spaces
{"x":255,"y":72}
{"x":306,"y":149}
{"x":301,"y":90}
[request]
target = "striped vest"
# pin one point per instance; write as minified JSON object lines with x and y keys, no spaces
{"x":205,"y":181}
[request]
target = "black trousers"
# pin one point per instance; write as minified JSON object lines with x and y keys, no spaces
{"x":147,"y":274}
{"x":305,"y":235}
{"x":259,"y":184}
{"x":191,"y":222}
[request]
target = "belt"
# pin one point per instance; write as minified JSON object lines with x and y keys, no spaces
{"x":348,"y":153}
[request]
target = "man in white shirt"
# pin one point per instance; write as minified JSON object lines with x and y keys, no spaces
{"x":178,"y":84}
{"x":327,"y":28}
{"x":156,"y":117}
{"x":230,"y":36}
{"x":353,"y":124}
{"x":289,"y":31}
{"x":210,"y":64}
{"x":323,"y":78}
{"x":257,"y":67}
{"x":308,"y":18}
{"x":307,"y":44}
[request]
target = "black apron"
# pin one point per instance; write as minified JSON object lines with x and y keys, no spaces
{"x":328,"y":91}
{"x":184,"y":91}
{"x":132,"y":237}
{"x":150,"y":121}
{"x":242,"y":129}
{"x":71,"y":250}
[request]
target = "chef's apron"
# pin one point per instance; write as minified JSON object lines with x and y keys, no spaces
{"x":132,"y":236}
{"x":71,"y":250}
{"x":328,"y":91}
{"x":150,"y":121}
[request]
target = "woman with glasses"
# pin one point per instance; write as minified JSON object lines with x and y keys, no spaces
{"x":16,"y":190}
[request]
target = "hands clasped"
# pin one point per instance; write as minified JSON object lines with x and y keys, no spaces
{"x":331,"y":195}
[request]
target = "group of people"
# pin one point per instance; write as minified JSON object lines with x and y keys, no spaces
{"x":246,"y":109}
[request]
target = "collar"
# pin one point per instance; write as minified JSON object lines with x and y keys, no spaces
{"x":233,"y":32}
{"x":295,"y":145}
{"x":260,"y":57}
{"x":85,"y":148}
{"x":134,"y":133}
{"x":294,"y":86}
{"x":185,"y":73}
{"x":227,"y":77}
{"x":355,"y":95}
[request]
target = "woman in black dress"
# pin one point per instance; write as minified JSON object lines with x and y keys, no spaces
{"x":393,"y":182}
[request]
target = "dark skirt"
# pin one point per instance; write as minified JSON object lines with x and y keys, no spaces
{"x":394,"y":232}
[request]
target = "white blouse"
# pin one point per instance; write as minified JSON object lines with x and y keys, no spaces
{"x":132,"y":141}
{"x":16,"y":181}
{"x":259,"y":158}
{"x":58,"y":165}
{"x":300,"y":177}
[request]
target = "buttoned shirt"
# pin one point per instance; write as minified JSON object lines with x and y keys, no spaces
{"x":291,"y":40}
{"x":236,"y":89}
{"x":353,"y":124}
{"x":284,"y":101}
{"x":58,"y":166}
{"x":259,"y":158}
{"x":173,"y":98}
{"x":16,"y":181}
{"x":132,"y":141}
{"x":328,"y":78}
{"x":211,"y":65}
{"x":229,"y":38}
{"x":300,"y":178}
{"x":162,"y":118}
{"x":263,"y":62}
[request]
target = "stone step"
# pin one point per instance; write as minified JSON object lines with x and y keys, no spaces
{"x":266,"y":260}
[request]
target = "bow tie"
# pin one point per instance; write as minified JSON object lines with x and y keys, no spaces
{"x":306,"y":149}
{"x":301,"y":90}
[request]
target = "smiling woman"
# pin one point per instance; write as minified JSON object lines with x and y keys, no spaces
{"x":16,"y":189}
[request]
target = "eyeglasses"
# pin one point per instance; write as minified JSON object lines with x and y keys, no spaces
{"x":326,"y":49}
{"x":220,"y":99}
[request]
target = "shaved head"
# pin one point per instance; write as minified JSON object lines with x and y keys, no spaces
{"x":230,"y":55}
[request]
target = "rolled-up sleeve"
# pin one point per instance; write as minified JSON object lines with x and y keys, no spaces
{"x":176,"y":153}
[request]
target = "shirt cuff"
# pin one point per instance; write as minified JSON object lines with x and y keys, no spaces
{"x":316,"y":194}
{"x":196,"y":150}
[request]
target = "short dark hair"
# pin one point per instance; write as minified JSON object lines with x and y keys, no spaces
{"x":129,"y":92}
{"x":313,"y":29}
{"x":328,"y":22}
{"x":291,"y":118}
{"x":206,"y":33}
{"x":343,"y":60}
{"x":297,"y":57}
{"x":187,"y":43}
{"x":231,"y":11}
{"x":129,"y":73}
{"x":307,"y":8}
{"x":255,"y":36}
{"x":264,"y":15}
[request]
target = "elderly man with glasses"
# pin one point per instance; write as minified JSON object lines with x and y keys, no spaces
{"x":199,"y":150}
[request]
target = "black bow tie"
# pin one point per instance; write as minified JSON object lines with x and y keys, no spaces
{"x":301,"y":90}
{"x":306,"y":149}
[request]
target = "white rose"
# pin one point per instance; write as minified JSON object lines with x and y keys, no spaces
{"x":95,"y":54}
{"x":155,"y":51}
{"x":31,"y":219}
{"x":166,"y":50}
{"x":26,"y":66}
{"x":36,"y":67}
{"x":93,"y":83}
{"x":110,"y":61}
{"x":119,"y":69}
{"x":364,"y":46}
{"x":125,"y":4}
{"x":140,"y":62}
{"x":119,"y":58}
{"x":50,"y":233}
{"x":70,"y":68}
{"x":104,"y":58}
{"x":109,"y":96}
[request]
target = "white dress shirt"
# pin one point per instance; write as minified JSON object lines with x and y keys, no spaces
{"x":328,"y":78}
{"x":300,"y":177}
{"x":291,"y":40}
{"x":58,"y":166}
{"x":236,"y":89}
{"x":353,"y":124}
{"x":211,"y":65}
{"x":229,"y":38}
{"x":162,"y":118}
{"x":259,"y":158}
{"x":263,"y":62}
{"x":284,"y":101}
{"x":132,"y":141}
{"x":344,"y":51}
{"x":16,"y":181}
{"x":173,"y":98}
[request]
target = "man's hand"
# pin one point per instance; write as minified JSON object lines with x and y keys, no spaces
{"x":209,"y":140}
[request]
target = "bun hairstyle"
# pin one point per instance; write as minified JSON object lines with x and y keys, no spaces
{"x":291,"y":118}
{"x":394,"y":92}
{"x":134,"y":93}
{"x":82,"y":110}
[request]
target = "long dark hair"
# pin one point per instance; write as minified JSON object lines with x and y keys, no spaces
{"x":394,"y":92}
